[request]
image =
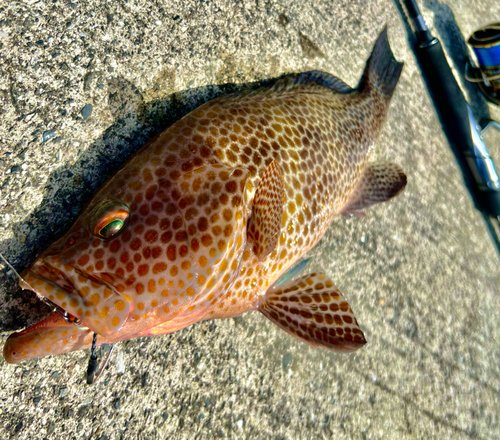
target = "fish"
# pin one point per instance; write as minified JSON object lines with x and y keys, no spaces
{"x":203,"y":220}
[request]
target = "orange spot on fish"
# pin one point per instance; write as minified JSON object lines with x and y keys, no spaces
{"x":99,"y":253}
{"x":111,"y":263}
{"x":135,"y":244}
{"x":159,"y":267}
{"x":151,"y":286}
{"x":114,"y":246}
{"x":83,"y":260}
{"x":143,"y":270}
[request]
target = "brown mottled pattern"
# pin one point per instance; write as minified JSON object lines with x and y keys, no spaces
{"x":185,"y":254}
{"x":321,"y":139}
{"x":187,"y":193}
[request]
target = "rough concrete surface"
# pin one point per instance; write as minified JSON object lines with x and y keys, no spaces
{"x":85,"y":84}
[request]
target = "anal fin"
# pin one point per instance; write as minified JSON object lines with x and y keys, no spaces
{"x":314,"y":311}
{"x":380,"y":182}
{"x":267,"y":212}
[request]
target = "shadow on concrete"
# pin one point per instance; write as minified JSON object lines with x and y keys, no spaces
{"x":69,"y":187}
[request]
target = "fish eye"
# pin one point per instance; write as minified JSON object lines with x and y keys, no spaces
{"x":110,"y":219}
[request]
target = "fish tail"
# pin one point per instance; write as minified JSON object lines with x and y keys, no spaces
{"x":382,"y":71}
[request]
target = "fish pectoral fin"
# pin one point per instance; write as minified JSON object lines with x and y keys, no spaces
{"x":264,"y":226}
{"x":313,"y":310}
{"x":380,"y":182}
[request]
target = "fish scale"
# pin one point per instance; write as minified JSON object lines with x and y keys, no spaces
{"x":204,"y":219}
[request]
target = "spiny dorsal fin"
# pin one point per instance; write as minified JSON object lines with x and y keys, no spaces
{"x":267,"y":212}
{"x":313,"y":310}
{"x":380,"y":182}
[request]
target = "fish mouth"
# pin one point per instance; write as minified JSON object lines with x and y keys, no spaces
{"x":71,"y":326}
{"x":52,"y":287}
{"x":77,"y":296}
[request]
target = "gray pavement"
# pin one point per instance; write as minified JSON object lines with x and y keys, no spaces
{"x":84,"y":84}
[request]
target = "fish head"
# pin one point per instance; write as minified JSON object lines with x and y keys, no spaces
{"x":67,"y":275}
{"x":158,"y":240}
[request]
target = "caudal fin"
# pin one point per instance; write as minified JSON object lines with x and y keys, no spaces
{"x":382,"y":71}
{"x":313,"y":310}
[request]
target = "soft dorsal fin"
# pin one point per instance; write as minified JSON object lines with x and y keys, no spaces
{"x":267,"y":212}
{"x":314,"y":79}
{"x":313,"y":310}
{"x":380,"y":182}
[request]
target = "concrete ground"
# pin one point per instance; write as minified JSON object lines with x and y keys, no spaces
{"x":84,"y":84}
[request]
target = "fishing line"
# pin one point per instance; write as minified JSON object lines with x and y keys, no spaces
{"x":23,"y":281}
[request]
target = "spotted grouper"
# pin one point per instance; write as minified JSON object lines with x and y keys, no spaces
{"x":203,"y":221}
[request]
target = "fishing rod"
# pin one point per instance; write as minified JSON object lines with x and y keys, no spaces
{"x":464,"y":133}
